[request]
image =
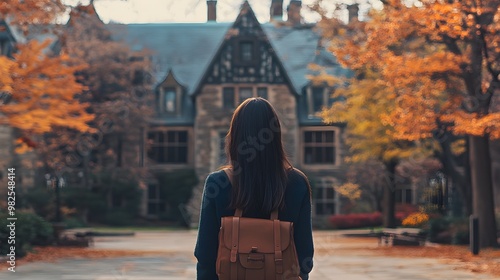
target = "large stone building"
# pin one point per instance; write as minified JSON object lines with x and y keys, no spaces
{"x":204,"y":70}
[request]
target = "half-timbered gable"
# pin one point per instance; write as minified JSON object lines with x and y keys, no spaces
{"x":246,"y":55}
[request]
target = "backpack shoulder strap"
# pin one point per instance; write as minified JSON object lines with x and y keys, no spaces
{"x":239,"y":212}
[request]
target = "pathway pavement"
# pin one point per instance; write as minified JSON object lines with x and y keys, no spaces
{"x":175,"y":262}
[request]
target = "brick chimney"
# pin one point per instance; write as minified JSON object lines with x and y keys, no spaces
{"x":353,"y":12}
{"x":211,"y":10}
{"x":294,"y":16}
{"x":276,"y":10}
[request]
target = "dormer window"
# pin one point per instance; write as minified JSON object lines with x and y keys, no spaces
{"x":318,"y":97}
{"x":170,"y":98}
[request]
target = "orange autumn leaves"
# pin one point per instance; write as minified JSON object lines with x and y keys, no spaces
{"x":42,"y":90}
{"x":26,"y":12}
{"x":42,"y":86}
{"x":438,"y":61}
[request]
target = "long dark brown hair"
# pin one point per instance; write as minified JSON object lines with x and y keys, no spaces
{"x":257,"y":158}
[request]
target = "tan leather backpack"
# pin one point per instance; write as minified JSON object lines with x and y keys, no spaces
{"x":256,"y":249}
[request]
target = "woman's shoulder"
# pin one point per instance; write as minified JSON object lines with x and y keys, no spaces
{"x":297,"y":179}
{"x":297,"y":174}
{"x":217,"y":176}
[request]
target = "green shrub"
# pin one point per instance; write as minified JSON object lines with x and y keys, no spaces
{"x":111,"y":201}
{"x":459,"y":228}
{"x":41,"y":200}
{"x":449,"y":230}
{"x":85,"y":200}
{"x":176,"y":189}
{"x":30,"y":230}
{"x":437,"y":231}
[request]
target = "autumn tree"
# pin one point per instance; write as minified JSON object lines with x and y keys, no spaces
{"x":41,"y":87}
{"x":118,"y":86}
{"x":439,"y":61}
{"x":368,"y":137}
{"x":28,"y":12}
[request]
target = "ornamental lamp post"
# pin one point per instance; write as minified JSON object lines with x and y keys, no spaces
{"x":56,"y":182}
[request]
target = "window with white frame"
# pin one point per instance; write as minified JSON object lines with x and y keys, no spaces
{"x":168,"y":147}
{"x":319,"y":147}
{"x":156,"y":205}
{"x":325,"y":199}
{"x":319,"y":97}
{"x":245,"y":93}
{"x":232,"y":96}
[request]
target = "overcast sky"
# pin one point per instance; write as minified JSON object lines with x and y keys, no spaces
{"x":143,"y":11}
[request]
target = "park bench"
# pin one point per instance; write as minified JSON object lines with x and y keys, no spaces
{"x":402,"y":237}
{"x":77,"y":238}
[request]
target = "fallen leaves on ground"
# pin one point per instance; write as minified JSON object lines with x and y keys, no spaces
{"x":53,"y":254}
{"x":488,"y":260}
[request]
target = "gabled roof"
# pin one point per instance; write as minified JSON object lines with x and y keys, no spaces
{"x":187,"y":49}
{"x":246,"y":24}
{"x":184,"y":48}
{"x":296,"y":48}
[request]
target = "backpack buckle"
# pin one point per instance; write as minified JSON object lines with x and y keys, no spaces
{"x":279,"y":265}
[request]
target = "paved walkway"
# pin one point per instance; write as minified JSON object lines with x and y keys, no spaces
{"x":181,"y":264}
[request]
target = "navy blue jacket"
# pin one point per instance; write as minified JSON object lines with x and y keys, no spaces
{"x":215,"y":202}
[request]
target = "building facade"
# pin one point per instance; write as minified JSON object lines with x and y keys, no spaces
{"x":202,"y":72}
{"x":205,"y":70}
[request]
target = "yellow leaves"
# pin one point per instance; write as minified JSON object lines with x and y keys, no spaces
{"x":321,"y":77}
{"x":43,"y":90}
{"x":349,"y":190}
{"x":458,"y":147}
{"x":417,"y":219}
{"x":369,"y":135}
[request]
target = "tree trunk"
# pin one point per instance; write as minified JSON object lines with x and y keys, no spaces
{"x":451,"y":168}
{"x":119,"y":149}
{"x":482,"y":190}
{"x":389,"y":220}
